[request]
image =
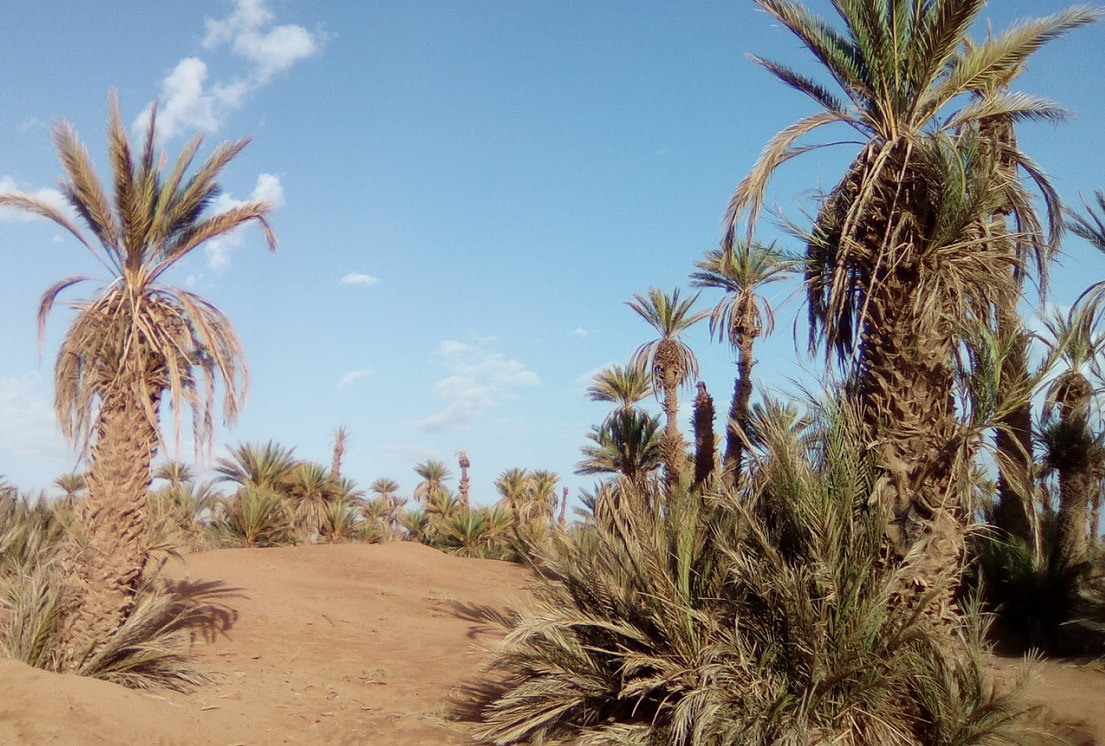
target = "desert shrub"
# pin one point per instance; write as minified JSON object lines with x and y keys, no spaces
{"x":765,"y":615}
{"x":256,"y":517}
{"x":1039,"y":602}
{"x":149,"y":650}
{"x":483,"y":532}
{"x":340,"y":522}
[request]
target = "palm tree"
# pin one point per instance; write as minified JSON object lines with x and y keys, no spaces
{"x":628,"y":442}
{"x":72,"y":485}
{"x":740,"y":317}
{"x":387,"y":506}
{"x":1072,"y":448}
{"x":671,"y":362}
{"x":132,"y":342}
{"x":623,"y":386}
{"x":311,"y":489}
{"x":177,"y":473}
{"x":542,"y":495}
{"x":269,"y":466}
{"x":433,"y":473}
{"x":514,"y":486}
{"x":894,"y":269}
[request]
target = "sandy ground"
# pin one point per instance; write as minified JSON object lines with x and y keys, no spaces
{"x":347,"y":644}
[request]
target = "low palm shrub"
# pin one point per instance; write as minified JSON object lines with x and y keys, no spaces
{"x":753,"y":616}
{"x":256,"y":517}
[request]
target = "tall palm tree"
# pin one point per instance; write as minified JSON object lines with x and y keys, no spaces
{"x":740,"y":317}
{"x":895,"y":269}
{"x":433,"y":473}
{"x":132,"y":342}
{"x":671,"y":363}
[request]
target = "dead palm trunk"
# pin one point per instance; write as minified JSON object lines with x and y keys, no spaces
{"x":464,"y":463}
{"x":705,"y":442}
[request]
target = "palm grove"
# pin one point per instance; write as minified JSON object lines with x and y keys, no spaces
{"x":818,"y":575}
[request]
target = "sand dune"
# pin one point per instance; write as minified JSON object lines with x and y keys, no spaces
{"x":346,"y":644}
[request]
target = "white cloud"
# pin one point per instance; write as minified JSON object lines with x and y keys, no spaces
{"x":220,"y":249}
{"x":189,"y":103}
{"x":11,"y":215}
{"x":352,"y":376}
{"x":579,"y":331}
{"x":358,"y":278}
{"x":479,"y":378}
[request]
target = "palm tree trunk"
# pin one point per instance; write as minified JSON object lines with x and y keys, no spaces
{"x":1077,"y":478}
{"x":106,"y":561}
{"x":739,"y":409}
{"x":908,"y":407}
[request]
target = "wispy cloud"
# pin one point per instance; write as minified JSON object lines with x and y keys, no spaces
{"x":358,"y":278}
{"x":190,"y":102}
{"x":579,"y":331}
{"x":352,"y":376}
{"x":10,"y":215}
{"x":479,"y":378}
{"x":219,"y":250}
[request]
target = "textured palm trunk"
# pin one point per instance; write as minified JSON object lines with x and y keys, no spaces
{"x":674,"y":449}
{"x":106,"y":563}
{"x":705,"y":441}
{"x":909,"y":411}
{"x":464,"y":463}
{"x":905,"y":379}
{"x":742,"y":398}
{"x":1077,"y":473}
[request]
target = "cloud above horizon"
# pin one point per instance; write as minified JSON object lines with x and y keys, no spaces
{"x":353,"y":376}
{"x":358,"y":278}
{"x":188,"y":101}
{"x":11,"y":215}
{"x":479,"y":378}
{"x":218,"y":250}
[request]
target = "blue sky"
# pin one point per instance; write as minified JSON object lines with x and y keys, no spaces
{"x":468,"y":192}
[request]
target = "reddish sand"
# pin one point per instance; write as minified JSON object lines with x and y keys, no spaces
{"x":347,"y":644}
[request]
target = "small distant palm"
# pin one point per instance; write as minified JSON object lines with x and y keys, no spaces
{"x":311,"y":490}
{"x":433,"y":473}
{"x":72,"y":485}
{"x":624,"y":386}
{"x":269,"y":466}
{"x":671,"y":363}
